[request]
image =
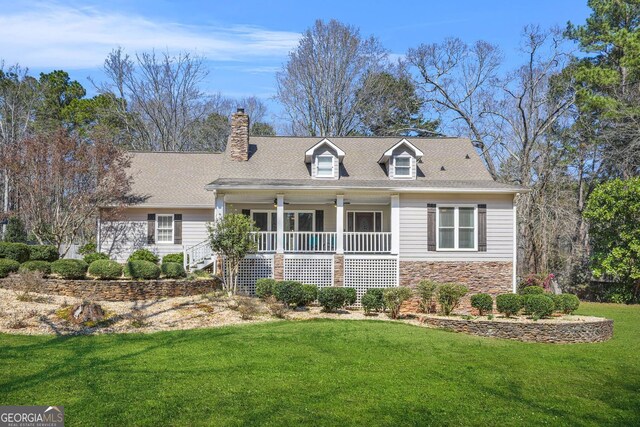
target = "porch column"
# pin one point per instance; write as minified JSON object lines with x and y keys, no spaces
{"x":280,"y":223}
{"x":395,"y":224}
{"x":218,"y":211}
{"x":340,"y":223}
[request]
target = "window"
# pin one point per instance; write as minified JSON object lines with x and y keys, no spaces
{"x":325,"y":167}
{"x":164,"y":224}
{"x":457,"y":228}
{"x":402,"y":166}
{"x":265,"y":220}
{"x":364,"y":222}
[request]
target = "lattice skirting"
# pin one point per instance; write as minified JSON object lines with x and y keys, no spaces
{"x":251,"y":269}
{"x":363,"y":273}
{"x":317,"y":270}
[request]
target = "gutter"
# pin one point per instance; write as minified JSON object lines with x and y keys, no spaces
{"x":393,"y":189}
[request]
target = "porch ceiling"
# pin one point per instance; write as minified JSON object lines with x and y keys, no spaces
{"x":301,"y":198}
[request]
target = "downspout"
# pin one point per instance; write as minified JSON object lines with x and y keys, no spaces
{"x":515,"y":245}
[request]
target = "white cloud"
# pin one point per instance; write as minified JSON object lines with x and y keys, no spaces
{"x":56,"y":36}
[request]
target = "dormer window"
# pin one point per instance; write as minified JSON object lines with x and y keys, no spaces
{"x":401,"y":160}
{"x":325,"y":166}
{"x":324,"y":158}
{"x":402,"y":167}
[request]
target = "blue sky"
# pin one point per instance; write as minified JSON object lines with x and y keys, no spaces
{"x":247,"y":41}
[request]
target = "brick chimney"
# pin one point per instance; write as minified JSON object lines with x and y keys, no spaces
{"x":239,"y":138}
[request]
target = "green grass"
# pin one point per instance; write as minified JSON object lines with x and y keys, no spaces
{"x":328,"y":373}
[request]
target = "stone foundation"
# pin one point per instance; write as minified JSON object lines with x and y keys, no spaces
{"x":119,"y":290}
{"x":278,"y":267}
{"x":338,"y":270}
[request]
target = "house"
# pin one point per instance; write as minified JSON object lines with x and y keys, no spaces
{"x":347,"y":211}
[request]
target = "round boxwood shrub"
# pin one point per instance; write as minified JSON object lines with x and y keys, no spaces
{"x":43,"y":253}
{"x":105,"y":269}
{"x":532,"y":290}
{"x":8,"y":266}
{"x":43,"y":267}
{"x":332,"y":298}
{"x":372,"y":301}
{"x":289,"y":292}
{"x":264,"y":287}
{"x":309,"y":294}
{"x":352,"y":296}
{"x":538,"y":305}
{"x":69,"y":268}
{"x":173,"y":270}
{"x":378,"y":294}
{"x":177,"y":257}
{"x":95,"y":256}
{"x":565,"y":303}
{"x":509,"y":304}
{"x":143,"y":255}
{"x":16,"y":251}
{"x":482,"y":302}
{"x":141,"y":269}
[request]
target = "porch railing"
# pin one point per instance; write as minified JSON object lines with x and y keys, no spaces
{"x":324,"y":242}
{"x":358,"y":242}
{"x":197,"y":254}
{"x":310,"y":241}
{"x":266,"y":240}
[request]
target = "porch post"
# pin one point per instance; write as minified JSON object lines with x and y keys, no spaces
{"x":395,"y":224}
{"x":340,"y":223}
{"x":218,"y":211}
{"x":280,"y":223}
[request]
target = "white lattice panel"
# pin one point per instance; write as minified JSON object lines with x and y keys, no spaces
{"x":310,"y":270}
{"x":363,"y":273}
{"x":252,"y":269}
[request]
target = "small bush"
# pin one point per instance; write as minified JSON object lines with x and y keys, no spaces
{"x":309,"y":294}
{"x":264,"y":288}
{"x":482,"y":302}
{"x":8,"y":266}
{"x":509,"y":304}
{"x":69,"y":268}
{"x":394,"y":297}
{"x":105,"y":269}
{"x":173,"y":270}
{"x":177,"y":257}
{"x":565,"y":303}
{"x":538,"y":306}
{"x":532,"y":290}
{"x":141,"y":269}
{"x":332,"y":298}
{"x":87,"y":248}
{"x":43,"y":253}
{"x":95,"y":256}
{"x":449,"y":295}
{"x":247,"y":307}
{"x":143,"y":255}
{"x":276,"y":308}
{"x":371,"y":302}
{"x":426,"y":290}
{"x":289,"y":292}
{"x":352,"y":296}
{"x":43,"y":267}
{"x":16,"y":251}
{"x":378,"y":294}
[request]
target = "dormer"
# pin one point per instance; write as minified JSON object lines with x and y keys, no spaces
{"x":325,"y":158}
{"x":401,"y":160}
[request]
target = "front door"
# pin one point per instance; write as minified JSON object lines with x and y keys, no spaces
{"x":364,"y":222}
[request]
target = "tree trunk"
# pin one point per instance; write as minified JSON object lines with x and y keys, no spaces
{"x":87,"y":312}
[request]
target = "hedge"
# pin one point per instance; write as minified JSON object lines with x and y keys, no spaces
{"x":538,"y":305}
{"x":332,"y":298}
{"x":43,"y":267}
{"x":264,"y":287}
{"x":177,"y":257}
{"x":289,"y":292}
{"x":309,"y":294}
{"x":532,"y":290}
{"x":141,"y":269}
{"x":372,"y":300}
{"x":482,"y":302}
{"x":16,"y":251}
{"x":95,"y":256}
{"x":8,"y":266}
{"x":105,"y":269}
{"x":509,"y":304}
{"x":173,"y":270}
{"x":43,"y":253}
{"x":143,"y":255}
{"x":69,"y":268}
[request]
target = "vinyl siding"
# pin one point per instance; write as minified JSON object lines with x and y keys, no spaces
{"x":413,"y":227}
{"x":336,"y":163}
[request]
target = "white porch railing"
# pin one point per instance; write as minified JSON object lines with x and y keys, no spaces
{"x":310,"y":241}
{"x":197,"y":254}
{"x":266,"y":240}
{"x":358,"y":242}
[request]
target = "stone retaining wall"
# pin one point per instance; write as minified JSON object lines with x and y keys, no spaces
{"x":118,"y":290}
{"x":556,"y":333}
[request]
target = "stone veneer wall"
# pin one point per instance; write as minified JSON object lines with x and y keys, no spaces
{"x":338,"y":270}
{"x":278,"y":267}
{"x":239,"y":138}
{"x":556,"y":333}
{"x":119,"y":290}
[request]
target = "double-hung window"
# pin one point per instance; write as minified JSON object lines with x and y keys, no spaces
{"x":402,"y":167}
{"x":457,"y":228}
{"x":164,"y":224}
{"x":325,"y":167}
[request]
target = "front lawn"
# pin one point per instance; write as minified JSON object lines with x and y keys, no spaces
{"x":327,"y":372}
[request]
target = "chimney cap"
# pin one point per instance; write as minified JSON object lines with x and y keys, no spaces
{"x":240,"y":110}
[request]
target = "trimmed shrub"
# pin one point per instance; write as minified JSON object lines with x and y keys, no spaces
{"x":105,"y":269}
{"x":332,"y":298}
{"x":264,"y":288}
{"x":482,"y":302}
{"x":95,"y":256}
{"x":143,"y":255}
{"x":394,"y":297}
{"x":371,"y":302}
{"x":289,"y":292}
{"x":8,"y":266}
{"x":426,"y":290}
{"x":532,"y":290}
{"x":378,"y":293}
{"x":309,"y":294}
{"x":87,"y":248}
{"x":509,"y":304}
{"x":141,"y":269}
{"x":69,"y":268}
{"x":449,"y":295}
{"x":173,"y":270}
{"x":177,"y":257}
{"x":352,"y":296}
{"x":565,"y":303}
{"x":16,"y":251}
{"x":43,"y":253}
{"x":538,"y":306}
{"x":43,"y":267}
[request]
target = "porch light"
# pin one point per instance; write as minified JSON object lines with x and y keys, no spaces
{"x":275,"y":202}
{"x":344,"y":202}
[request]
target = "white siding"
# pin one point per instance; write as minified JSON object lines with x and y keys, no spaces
{"x":121,"y":237}
{"x":336,"y":163}
{"x":413,"y":227}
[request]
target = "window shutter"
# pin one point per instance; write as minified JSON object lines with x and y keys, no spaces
{"x":246,"y":212}
{"x":320,"y":220}
{"x":151,"y":229}
{"x":177,"y":229}
{"x":431,"y":227}
{"x":482,"y":228}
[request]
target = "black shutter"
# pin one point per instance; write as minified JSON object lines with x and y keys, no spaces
{"x":431,"y":227}
{"x":246,"y":212}
{"x":177,"y":229}
{"x":482,"y":228}
{"x":151,"y":229}
{"x":320,"y":220}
